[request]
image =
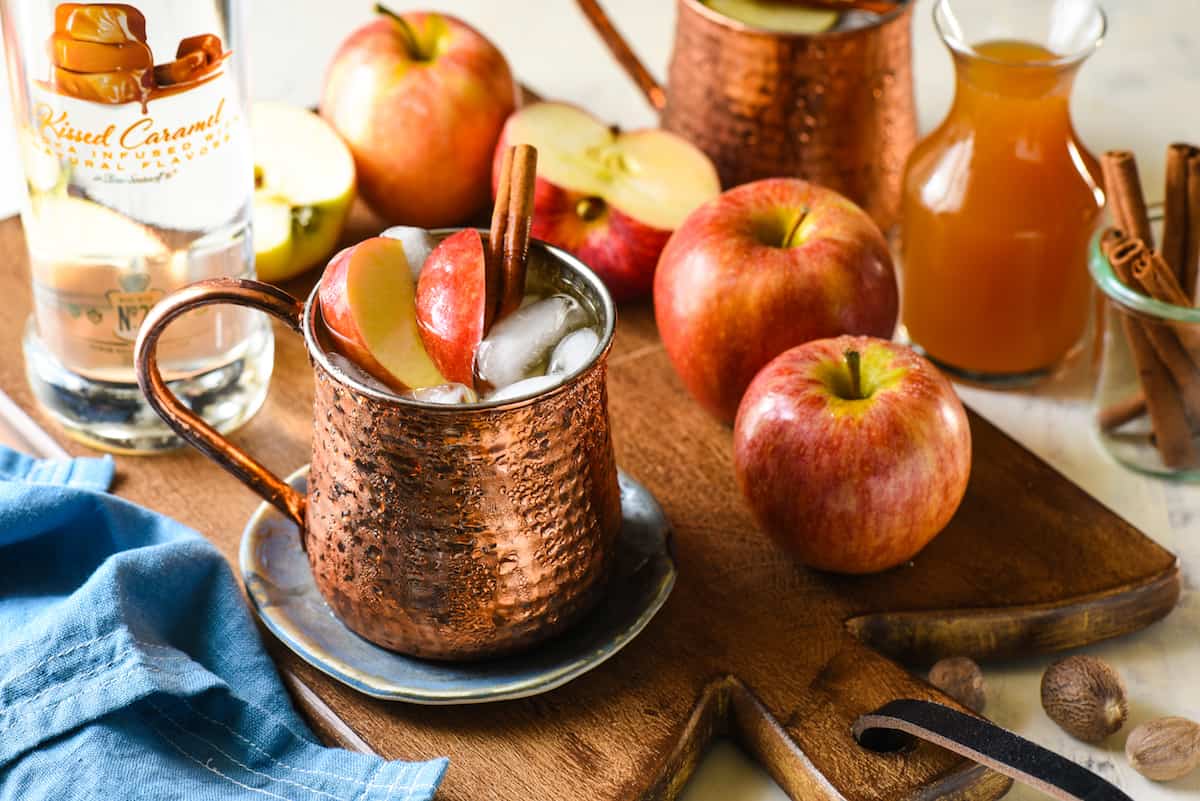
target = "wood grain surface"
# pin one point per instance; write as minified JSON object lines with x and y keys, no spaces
{"x":782,"y":659}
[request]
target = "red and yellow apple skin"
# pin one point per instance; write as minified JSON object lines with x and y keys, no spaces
{"x":765,"y":267}
{"x":451,"y":298}
{"x":422,"y":125}
{"x":621,"y":250}
{"x":845,"y":484}
{"x":339,"y":322}
{"x":611,"y":198}
{"x":368,"y":305}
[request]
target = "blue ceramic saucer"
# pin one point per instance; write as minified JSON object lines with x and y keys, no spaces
{"x":281,"y":588}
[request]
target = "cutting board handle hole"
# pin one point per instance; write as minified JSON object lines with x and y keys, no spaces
{"x":887,"y":741}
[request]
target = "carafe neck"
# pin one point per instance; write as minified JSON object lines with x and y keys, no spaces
{"x":1006,"y":87}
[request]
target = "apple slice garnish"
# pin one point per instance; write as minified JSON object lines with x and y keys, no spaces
{"x":368,"y":303}
{"x":451,"y":304}
{"x":610,"y":198}
{"x":464,"y":286}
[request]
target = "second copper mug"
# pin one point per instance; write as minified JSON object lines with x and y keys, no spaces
{"x":835,"y":108}
{"x":440,"y":531}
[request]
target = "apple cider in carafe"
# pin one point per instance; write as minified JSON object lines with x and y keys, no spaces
{"x":1000,"y":204}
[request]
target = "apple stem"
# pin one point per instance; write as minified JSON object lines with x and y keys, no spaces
{"x":854,"y":363}
{"x":787,"y":240}
{"x":406,"y":31}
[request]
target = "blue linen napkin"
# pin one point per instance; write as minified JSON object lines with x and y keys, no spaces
{"x":130,"y":667}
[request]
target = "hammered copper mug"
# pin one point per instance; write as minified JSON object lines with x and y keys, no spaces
{"x":835,"y":108}
{"x":441,"y":531}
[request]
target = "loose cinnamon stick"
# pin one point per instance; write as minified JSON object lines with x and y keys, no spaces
{"x":520,"y":219}
{"x":494,"y":260}
{"x":1117,"y":414}
{"x":1191,"y":258}
{"x":1176,"y":220}
{"x":1173,"y":436}
{"x":1125,"y":195}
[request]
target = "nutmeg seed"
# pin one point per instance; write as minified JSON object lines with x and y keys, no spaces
{"x":1085,"y":696}
{"x":1164,"y":749}
{"x":961,"y":679}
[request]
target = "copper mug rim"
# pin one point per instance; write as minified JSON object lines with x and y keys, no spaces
{"x":711,"y":14}
{"x":318,"y":352}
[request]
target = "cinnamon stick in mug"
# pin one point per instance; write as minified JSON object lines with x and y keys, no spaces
{"x":494,"y":258}
{"x":516,"y":234}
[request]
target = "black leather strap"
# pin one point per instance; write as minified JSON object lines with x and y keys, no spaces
{"x":990,"y":745}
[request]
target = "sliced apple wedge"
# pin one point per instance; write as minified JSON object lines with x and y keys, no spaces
{"x":304,"y":178}
{"x":610,"y":198}
{"x":369,"y":304}
{"x":451,"y":298}
{"x":776,"y":15}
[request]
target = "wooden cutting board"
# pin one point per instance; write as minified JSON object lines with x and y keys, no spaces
{"x":749,"y":644}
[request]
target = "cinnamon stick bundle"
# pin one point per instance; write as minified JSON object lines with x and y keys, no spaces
{"x":1166,"y":353}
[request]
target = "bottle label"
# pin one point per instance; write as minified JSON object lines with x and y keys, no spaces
{"x":115,"y":112}
{"x":109,"y":148}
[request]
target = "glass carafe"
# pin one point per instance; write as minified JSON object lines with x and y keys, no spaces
{"x":1001,"y":200}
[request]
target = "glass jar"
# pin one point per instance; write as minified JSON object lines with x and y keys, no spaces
{"x":134,"y":132}
{"x":1164,"y":441}
{"x":1001,"y":201}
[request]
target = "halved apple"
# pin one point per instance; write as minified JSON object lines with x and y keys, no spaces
{"x":369,"y":305}
{"x":776,"y":15}
{"x":451,"y":298}
{"x":304,"y":183}
{"x":610,"y":198}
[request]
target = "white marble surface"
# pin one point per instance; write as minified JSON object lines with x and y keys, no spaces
{"x":1140,"y":91}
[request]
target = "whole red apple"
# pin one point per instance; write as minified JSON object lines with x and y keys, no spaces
{"x":763,"y":268}
{"x":611,"y":198}
{"x":852,"y":452}
{"x":420,"y":98}
{"x":451,"y":294}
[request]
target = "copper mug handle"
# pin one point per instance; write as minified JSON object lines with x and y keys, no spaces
{"x":624,"y":54}
{"x":186,"y":423}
